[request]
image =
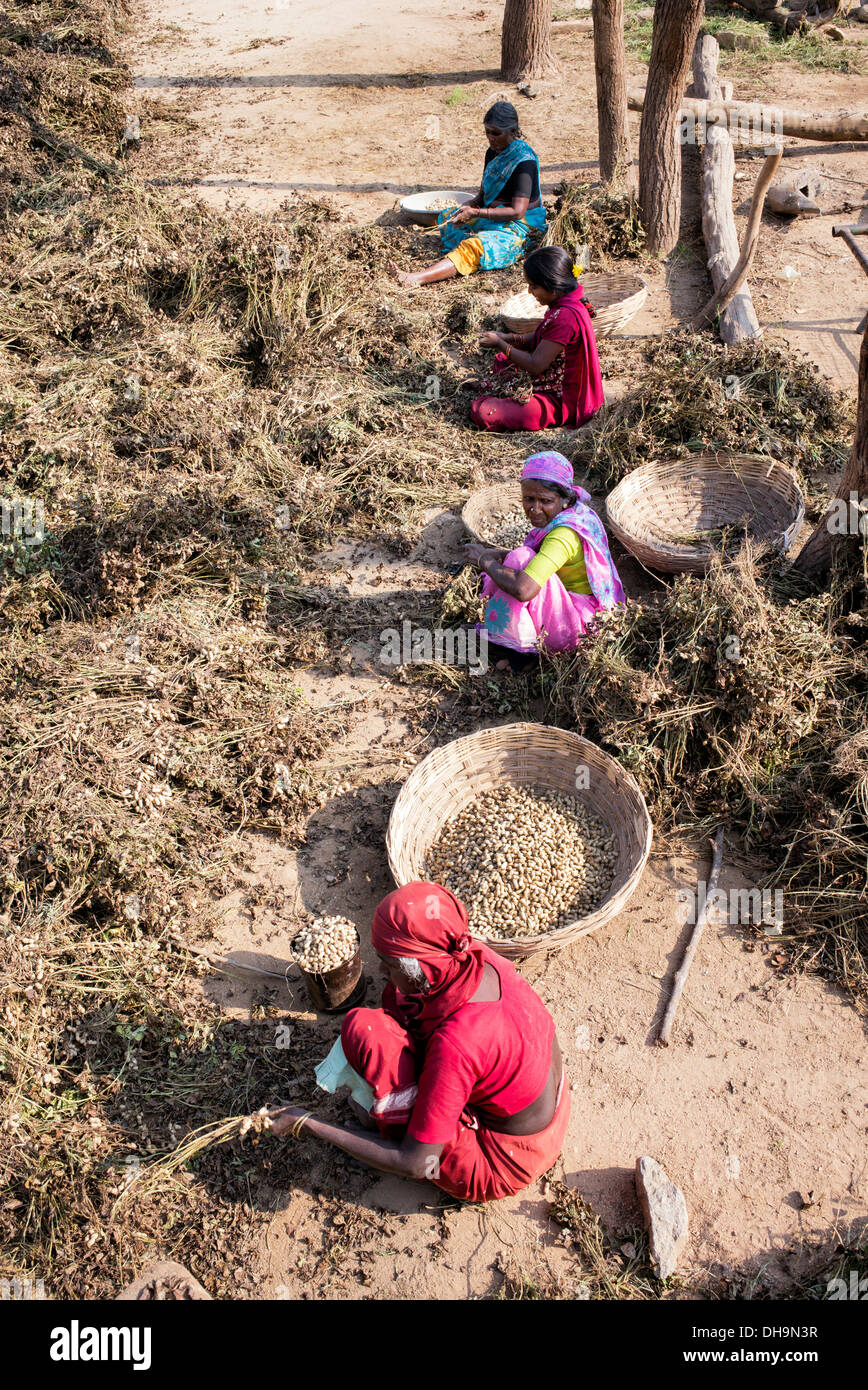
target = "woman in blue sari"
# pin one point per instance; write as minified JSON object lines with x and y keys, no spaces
{"x":494,"y":229}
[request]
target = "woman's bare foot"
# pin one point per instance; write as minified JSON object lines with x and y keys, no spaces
{"x":407,"y":278}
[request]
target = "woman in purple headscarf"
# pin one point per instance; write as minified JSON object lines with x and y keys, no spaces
{"x":547,"y":591}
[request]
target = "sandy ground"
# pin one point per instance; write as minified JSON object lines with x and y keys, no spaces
{"x":759,"y":1109}
{"x":369,"y":104}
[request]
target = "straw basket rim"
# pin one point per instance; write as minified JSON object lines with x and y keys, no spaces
{"x":641,"y":511}
{"x":523,"y":754}
{"x":615,"y":295}
{"x":476,"y":506}
{"x":481,"y":502}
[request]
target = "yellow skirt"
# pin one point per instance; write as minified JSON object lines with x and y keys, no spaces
{"x":466,"y":256}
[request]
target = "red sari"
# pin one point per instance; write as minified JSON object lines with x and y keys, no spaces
{"x":569,"y":392}
{"x":441,"y":1065}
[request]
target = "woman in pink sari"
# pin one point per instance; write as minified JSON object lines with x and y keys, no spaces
{"x":546,"y":592}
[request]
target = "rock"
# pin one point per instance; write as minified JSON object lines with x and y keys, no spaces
{"x":665,"y":1213}
{"x":833,"y":32}
{"x":132,"y":131}
{"x":647,"y":13}
{"x":861,"y":15}
{"x":750,"y":43}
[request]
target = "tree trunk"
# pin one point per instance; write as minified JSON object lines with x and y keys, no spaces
{"x":675,"y":26}
{"x":609,"y":62}
{"x":525,"y":42}
{"x":816,"y":555}
{"x":738,"y":321}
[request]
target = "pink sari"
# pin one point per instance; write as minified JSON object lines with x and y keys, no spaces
{"x":557,"y":618}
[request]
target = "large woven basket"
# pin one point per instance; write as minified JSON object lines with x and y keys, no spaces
{"x":530,"y":755}
{"x":481,"y":511}
{"x":615,"y":297}
{"x":658,"y":504}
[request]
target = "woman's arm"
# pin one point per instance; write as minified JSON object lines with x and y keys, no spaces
{"x":477,"y":553}
{"x":558,"y":547}
{"x":506,"y":340}
{"x":536,"y":362}
{"x":513,"y":582}
{"x":517,"y":208}
{"x":409,"y":1159}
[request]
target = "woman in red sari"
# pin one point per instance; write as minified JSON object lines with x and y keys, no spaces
{"x":458,"y":1076}
{"x":560,"y":355}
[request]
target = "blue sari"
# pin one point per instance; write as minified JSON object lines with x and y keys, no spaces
{"x":504,"y":242}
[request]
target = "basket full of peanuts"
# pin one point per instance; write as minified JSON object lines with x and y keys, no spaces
{"x":494,"y":516}
{"x":540,"y":834}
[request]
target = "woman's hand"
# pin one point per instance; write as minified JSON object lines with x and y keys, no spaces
{"x":476,"y":554}
{"x":493,"y":340}
{"x":465,"y":213}
{"x":283,"y":1118}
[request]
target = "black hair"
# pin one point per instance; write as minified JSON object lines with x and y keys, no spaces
{"x":503,"y":116}
{"x":551,"y":267}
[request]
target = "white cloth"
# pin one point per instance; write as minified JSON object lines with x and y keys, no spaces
{"x":336,"y":1071}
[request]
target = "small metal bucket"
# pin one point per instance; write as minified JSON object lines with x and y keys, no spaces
{"x":339,"y":989}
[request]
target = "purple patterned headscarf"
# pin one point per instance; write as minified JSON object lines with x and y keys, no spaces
{"x":603,"y":578}
{"x":552,"y":468}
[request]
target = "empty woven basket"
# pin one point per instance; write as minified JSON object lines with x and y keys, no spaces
{"x":530,"y":755}
{"x":659,"y":511}
{"x":615,"y":297}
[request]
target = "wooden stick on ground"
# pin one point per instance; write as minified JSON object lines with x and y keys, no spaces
{"x":699,"y":928}
{"x":718,"y":301}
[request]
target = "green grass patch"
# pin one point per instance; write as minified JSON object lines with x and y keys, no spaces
{"x":807,"y":53}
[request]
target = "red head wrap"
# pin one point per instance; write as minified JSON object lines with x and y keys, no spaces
{"x":428,"y":923}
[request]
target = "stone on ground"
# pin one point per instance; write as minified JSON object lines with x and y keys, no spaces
{"x":665,"y":1212}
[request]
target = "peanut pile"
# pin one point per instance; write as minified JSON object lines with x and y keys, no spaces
{"x":325,"y":943}
{"x":524,"y":862}
{"x":508,"y":528}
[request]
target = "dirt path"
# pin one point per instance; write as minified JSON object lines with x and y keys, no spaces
{"x":759,"y":1109}
{"x":366,"y":105}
